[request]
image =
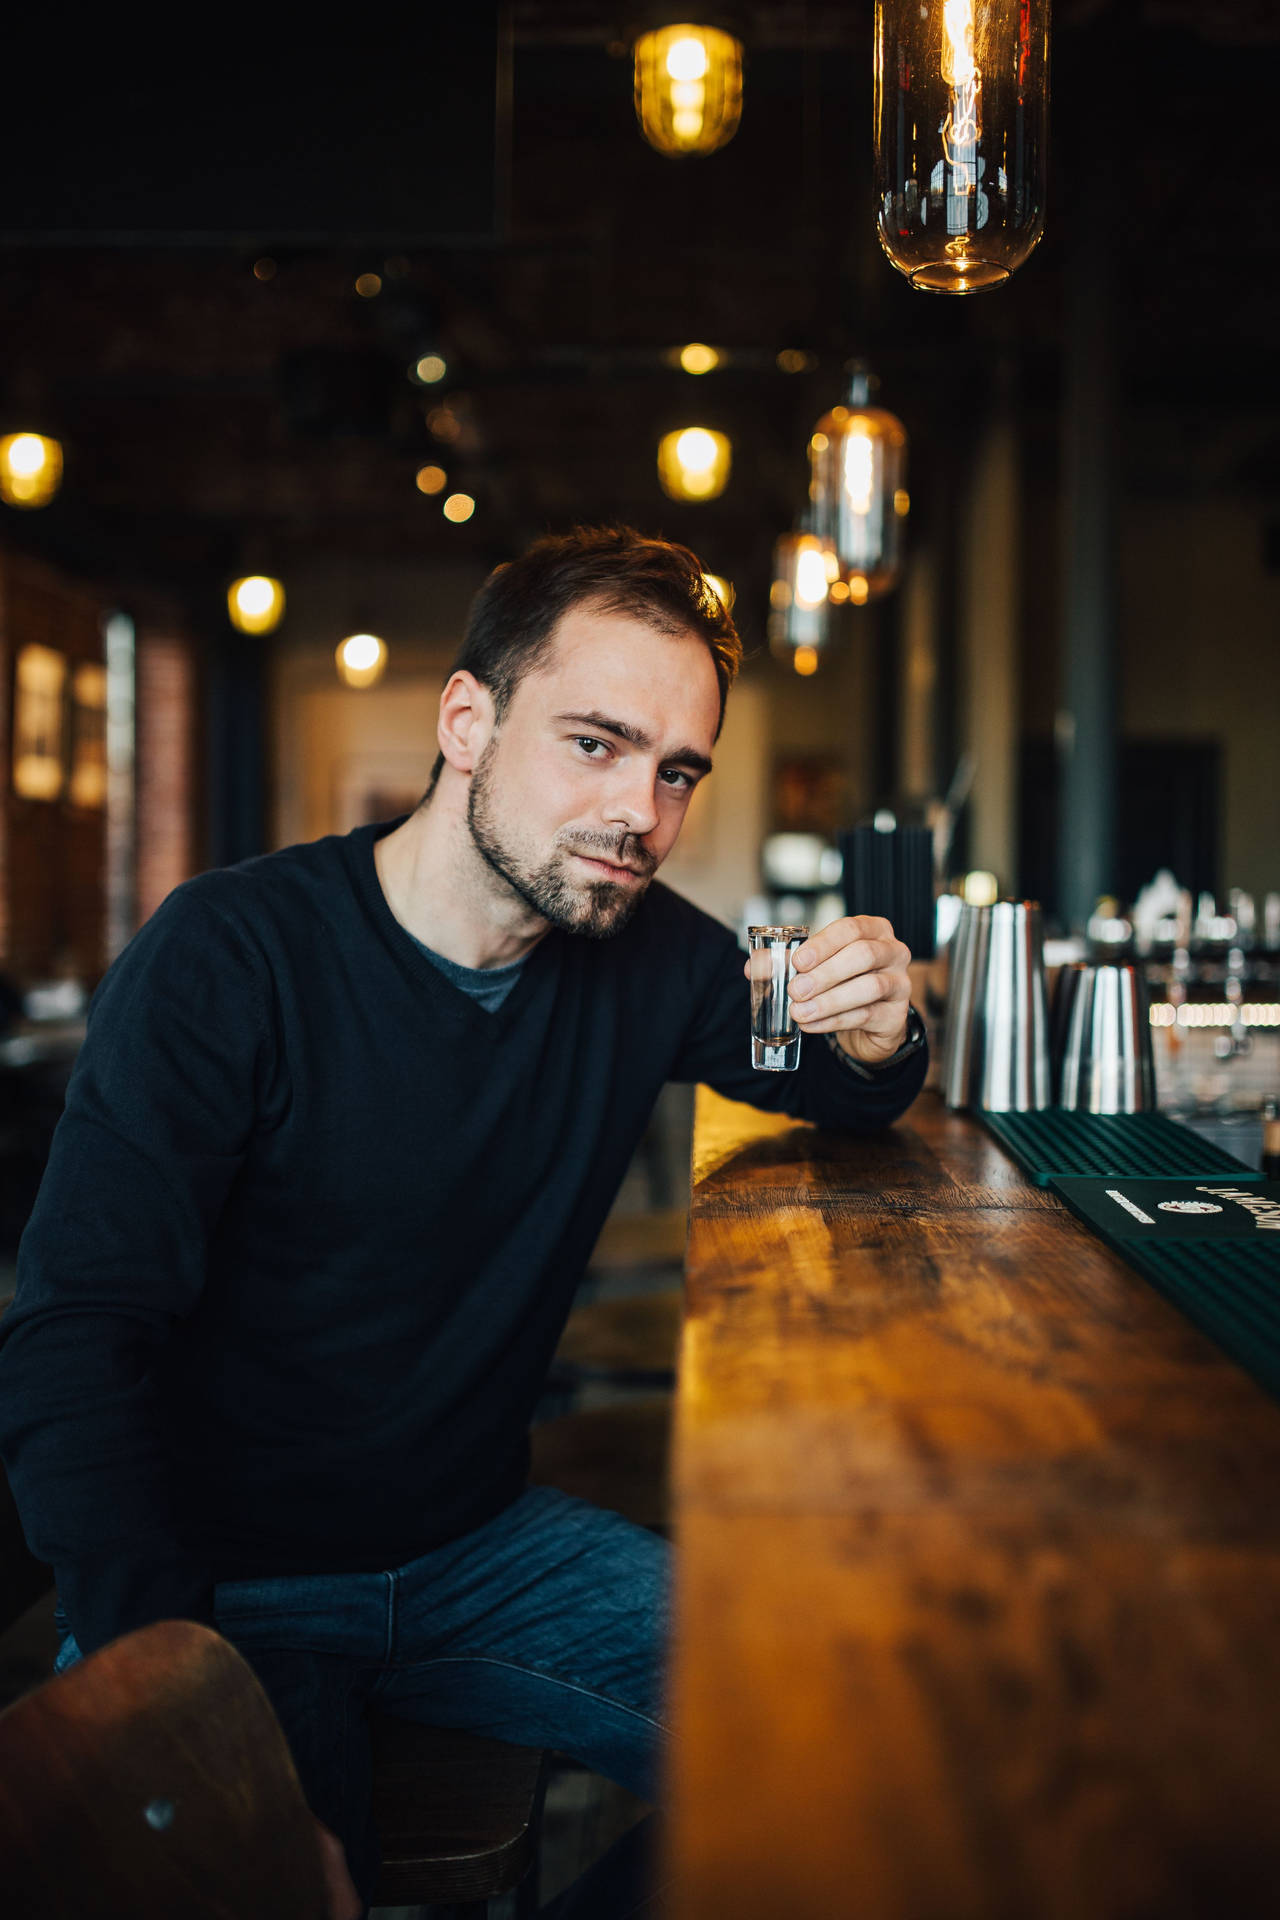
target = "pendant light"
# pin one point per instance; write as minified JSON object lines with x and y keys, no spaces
{"x":961,"y":129}
{"x":799,"y":596}
{"x":361,"y":659}
{"x":694,"y":462}
{"x":30,"y":469}
{"x":688,"y":88}
{"x":857,"y":489}
{"x":255,"y":603}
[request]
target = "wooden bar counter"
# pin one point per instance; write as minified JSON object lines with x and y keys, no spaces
{"x":979,"y":1603}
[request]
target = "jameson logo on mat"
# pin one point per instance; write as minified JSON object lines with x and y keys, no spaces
{"x":1228,"y":1209}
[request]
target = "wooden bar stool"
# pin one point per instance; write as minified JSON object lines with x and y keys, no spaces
{"x":152,"y":1779}
{"x":457,"y":1817}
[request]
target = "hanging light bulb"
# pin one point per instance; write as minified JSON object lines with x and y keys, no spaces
{"x":857,"y":490}
{"x":361,"y":659}
{"x":693,"y":463}
{"x":800,"y":596}
{"x":961,"y":134}
{"x":688,"y":88}
{"x":255,"y":603}
{"x":30,"y":469}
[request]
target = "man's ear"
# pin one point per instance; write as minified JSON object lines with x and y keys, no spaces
{"x":467,"y":721}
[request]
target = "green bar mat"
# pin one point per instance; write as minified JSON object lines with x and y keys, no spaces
{"x":1056,"y":1144}
{"x":1232,"y":1292}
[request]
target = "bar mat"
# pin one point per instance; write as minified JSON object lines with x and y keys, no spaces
{"x":1056,"y":1144}
{"x":1211,"y":1247}
{"x":1231,"y":1292}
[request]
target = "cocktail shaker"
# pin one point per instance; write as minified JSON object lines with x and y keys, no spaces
{"x":997,"y":1050}
{"x":1103,"y":1058}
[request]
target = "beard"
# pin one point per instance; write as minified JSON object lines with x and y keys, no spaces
{"x":597,"y":909}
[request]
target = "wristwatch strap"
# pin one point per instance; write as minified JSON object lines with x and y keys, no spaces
{"x":913,"y":1043}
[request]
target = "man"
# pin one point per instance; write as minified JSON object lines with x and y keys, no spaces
{"x":343,"y":1133}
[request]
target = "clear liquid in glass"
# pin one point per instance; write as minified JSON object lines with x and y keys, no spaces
{"x":775,"y":1037}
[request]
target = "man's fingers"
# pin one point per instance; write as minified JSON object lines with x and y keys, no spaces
{"x":861,"y":995}
{"x":857,"y":959}
{"x":841,"y":933}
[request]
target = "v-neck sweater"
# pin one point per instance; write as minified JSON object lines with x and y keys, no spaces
{"x":313,"y":1220}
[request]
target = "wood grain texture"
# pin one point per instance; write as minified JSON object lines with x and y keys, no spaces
{"x":979,"y":1602}
{"x":152,"y":1781}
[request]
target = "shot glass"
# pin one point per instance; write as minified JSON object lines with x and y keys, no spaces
{"x":775,"y":1037}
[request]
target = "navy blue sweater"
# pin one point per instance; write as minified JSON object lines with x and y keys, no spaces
{"x":313,"y":1220}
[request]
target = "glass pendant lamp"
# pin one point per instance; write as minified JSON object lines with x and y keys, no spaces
{"x":857,"y":490}
{"x":799,"y":597}
{"x":961,"y":129}
{"x":688,"y":88}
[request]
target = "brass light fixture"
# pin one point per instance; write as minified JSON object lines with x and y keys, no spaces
{"x":693,"y":463}
{"x":961,"y":134}
{"x":30,"y":469}
{"x":688,"y":88}
{"x":857,"y":490}
{"x":255,"y":603}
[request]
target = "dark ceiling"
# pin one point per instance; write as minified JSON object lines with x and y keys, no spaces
{"x":214,"y":420}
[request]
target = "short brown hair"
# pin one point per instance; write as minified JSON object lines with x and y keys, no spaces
{"x":516,"y":612}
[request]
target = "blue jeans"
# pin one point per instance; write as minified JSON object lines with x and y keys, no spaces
{"x":545,"y":1627}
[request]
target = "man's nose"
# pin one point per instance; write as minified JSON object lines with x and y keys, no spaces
{"x":631,"y":802}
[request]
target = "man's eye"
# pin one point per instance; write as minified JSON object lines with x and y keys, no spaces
{"x":677,"y":778}
{"x":589,"y":745}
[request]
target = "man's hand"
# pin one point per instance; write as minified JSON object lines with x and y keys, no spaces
{"x":344,"y":1902}
{"x":851,"y":980}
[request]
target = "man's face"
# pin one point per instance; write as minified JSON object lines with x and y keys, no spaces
{"x":578,"y":797}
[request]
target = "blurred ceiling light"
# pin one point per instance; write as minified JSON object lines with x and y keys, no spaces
{"x":838,"y":592}
{"x":688,"y":88}
{"x":369,"y":285}
{"x":458,"y":507}
{"x":699,"y":358}
{"x":805,"y":661}
{"x":30,"y":469}
{"x":802,"y":571}
{"x":961,"y":111}
{"x":361,"y":659}
{"x":444,"y":424}
{"x":724,"y":590}
{"x":431,"y":368}
{"x":796,"y":360}
{"x":430,"y":479}
{"x":857,"y":462}
{"x":693,"y":463}
{"x":255,"y":603}
{"x":264,"y":269}
{"x":980,"y":888}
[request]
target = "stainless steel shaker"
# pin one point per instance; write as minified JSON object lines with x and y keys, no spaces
{"x":997,"y":1049}
{"x":1103,"y":1057}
